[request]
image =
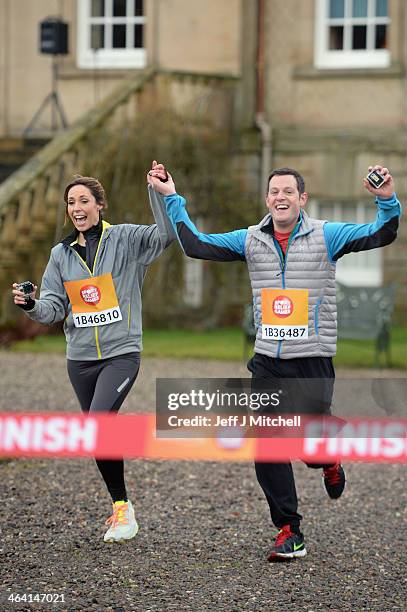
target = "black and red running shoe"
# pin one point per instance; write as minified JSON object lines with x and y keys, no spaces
{"x":334,"y":480}
{"x":288,"y":545}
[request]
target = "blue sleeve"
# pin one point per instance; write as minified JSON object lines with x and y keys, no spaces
{"x":229,"y":246}
{"x":343,"y":238}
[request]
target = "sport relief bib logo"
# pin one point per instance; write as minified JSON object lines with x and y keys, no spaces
{"x":282,"y":306}
{"x":94,"y":301}
{"x":90,"y":294}
{"x":284,"y":314}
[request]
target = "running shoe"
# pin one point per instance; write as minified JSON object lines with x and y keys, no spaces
{"x":123,"y":525}
{"x":288,"y":545}
{"x":334,"y":480}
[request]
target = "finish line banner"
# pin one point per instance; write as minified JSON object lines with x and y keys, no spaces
{"x":113,"y":436}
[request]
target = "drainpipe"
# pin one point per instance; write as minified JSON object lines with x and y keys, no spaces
{"x":5,"y":127}
{"x":156,"y":35}
{"x":261,"y":119}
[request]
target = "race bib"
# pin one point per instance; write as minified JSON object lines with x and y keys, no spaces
{"x":284,"y":314}
{"x":94,"y":301}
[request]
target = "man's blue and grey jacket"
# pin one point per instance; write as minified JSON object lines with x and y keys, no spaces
{"x":309,"y":263}
{"x":125,"y":251}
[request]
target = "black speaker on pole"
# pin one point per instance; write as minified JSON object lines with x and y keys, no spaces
{"x":53,"y":41}
{"x":54,"y":36}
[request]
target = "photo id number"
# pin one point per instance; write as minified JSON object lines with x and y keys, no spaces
{"x":91,"y":319}
{"x":284,"y":332}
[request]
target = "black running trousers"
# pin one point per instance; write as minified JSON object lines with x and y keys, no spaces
{"x":305,"y":396}
{"x":102,"y":386}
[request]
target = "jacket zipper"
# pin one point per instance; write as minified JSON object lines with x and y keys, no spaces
{"x":316,"y":314}
{"x":92,"y":273}
{"x":283,"y":263}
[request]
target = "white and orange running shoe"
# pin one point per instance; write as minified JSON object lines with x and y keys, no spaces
{"x":123,"y":524}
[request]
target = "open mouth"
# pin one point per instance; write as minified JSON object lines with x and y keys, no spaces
{"x":80,"y":220}
{"x":282,"y":207}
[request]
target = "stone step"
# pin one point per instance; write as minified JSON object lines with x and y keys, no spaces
{"x":17,"y":144}
{"x":14,"y":152}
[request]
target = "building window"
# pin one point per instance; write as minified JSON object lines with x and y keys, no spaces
{"x":352,"y":34}
{"x":111,"y":34}
{"x":355,"y":269}
{"x":193,"y":276}
{"x":193,"y":282}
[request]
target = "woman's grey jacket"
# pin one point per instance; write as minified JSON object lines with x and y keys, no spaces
{"x":125,"y":251}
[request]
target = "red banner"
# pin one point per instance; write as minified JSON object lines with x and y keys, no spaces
{"x":112,"y":436}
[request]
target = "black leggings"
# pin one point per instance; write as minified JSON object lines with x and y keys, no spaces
{"x":101,"y":386}
{"x":307,"y":384}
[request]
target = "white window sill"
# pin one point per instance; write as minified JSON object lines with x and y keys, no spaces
{"x":101,"y":60}
{"x":311,"y":72}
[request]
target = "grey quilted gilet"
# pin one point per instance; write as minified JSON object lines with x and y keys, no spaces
{"x":307,"y":266}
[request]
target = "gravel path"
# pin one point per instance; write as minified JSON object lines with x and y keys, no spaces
{"x":205,"y":528}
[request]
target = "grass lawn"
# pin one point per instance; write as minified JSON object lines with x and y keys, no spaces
{"x":227,"y":344}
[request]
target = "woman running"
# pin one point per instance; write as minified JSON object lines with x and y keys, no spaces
{"x":93,"y":281}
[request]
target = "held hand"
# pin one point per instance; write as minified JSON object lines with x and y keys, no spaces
{"x":20,"y":297}
{"x":387,"y":189}
{"x":159,"y":171}
{"x":157,"y":175}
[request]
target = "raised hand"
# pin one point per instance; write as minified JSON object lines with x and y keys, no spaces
{"x":159,"y":171}
{"x":387,"y":189}
{"x":160,"y":179}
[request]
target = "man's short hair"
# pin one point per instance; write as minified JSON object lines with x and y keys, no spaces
{"x":284,"y":172}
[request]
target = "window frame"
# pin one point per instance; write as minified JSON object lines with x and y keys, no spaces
{"x":350,"y":270}
{"x":324,"y":58}
{"x":111,"y":58}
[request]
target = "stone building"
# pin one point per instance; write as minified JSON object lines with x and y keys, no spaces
{"x":318,"y":85}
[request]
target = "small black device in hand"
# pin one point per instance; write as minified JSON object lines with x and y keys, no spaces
{"x":26,"y":287}
{"x":375,"y":179}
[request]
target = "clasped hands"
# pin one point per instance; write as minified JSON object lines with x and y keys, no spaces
{"x":160,"y":179}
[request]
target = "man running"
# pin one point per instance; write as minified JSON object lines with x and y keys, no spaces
{"x":290,"y":252}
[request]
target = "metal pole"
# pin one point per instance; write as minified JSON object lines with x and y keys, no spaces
{"x":54,"y":94}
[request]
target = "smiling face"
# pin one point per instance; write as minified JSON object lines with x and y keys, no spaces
{"x":284,"y":202}
{"x":82,"y":208}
